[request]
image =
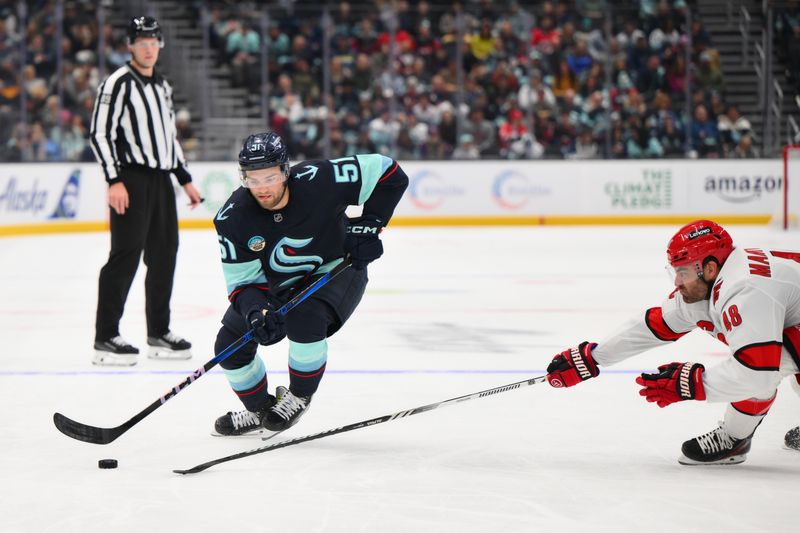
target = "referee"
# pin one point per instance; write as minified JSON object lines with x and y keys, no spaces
{"x":134,"y":139}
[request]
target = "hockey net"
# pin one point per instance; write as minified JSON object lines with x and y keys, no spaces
{"x":788,"y":213}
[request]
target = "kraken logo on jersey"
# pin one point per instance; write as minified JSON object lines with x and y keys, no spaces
{"x":284,"y":258}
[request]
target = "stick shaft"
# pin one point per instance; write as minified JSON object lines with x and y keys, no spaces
{"x":363,"y":424}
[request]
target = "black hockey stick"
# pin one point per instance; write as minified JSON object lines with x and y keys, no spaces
{"x":363,"y":424}
{"x":97,"y":435}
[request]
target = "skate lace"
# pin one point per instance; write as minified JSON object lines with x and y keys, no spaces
{"x":118,"y":341}
{"x":245,"y":418}
{"x":171,"y":338}
{"x":288,"y":405}
{"x":715,"y":441}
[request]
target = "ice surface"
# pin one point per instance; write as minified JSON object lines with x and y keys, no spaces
{"x":448,"y":312}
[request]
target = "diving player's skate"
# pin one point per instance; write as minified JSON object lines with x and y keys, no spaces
{"x":792,"y":439}
{"x":716,"y":447}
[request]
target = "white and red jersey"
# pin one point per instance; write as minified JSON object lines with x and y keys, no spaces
{"x":754,"y":303}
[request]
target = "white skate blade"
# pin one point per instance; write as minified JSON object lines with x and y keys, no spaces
{"x":159,"y":352}
{"x":732,"y":460}
{"x":102,"y":358}
{"x":267,"y":434}
{"x":248,"y":435}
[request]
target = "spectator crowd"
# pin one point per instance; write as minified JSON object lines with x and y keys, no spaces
{"x":426,"y":79}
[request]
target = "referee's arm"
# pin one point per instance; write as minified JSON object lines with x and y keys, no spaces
{"x":103,"y":135}
{"x":105,"y":122}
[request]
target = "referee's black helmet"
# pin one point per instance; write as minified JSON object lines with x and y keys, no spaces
{"x":144,"y":27}
{"x":263,"y":150}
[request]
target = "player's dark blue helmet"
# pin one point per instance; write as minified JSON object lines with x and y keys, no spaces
{"x":144,"y":27}
{"x":263,"y":150}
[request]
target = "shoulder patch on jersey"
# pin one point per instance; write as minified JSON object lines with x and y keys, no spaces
{"x":221,"y":214}
{"x":256,"y":243}
{"x":309,"y":170}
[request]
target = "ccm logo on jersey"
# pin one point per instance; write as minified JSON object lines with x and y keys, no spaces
{"x":580,"y":366}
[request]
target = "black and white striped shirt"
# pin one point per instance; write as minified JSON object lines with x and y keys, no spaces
{"x":134,"y":124}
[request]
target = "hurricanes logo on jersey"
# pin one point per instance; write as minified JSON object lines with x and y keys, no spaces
{"x":286,"y":260}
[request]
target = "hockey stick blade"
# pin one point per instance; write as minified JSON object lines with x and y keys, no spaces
{"x":98,"y":435}
{"x":362,"y":424}
{"x":86,"y":433}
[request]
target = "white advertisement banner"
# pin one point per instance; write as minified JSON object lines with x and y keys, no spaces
{"x":747,"y":186}
{"x":42,"y":194}
{"x":32,"y":193}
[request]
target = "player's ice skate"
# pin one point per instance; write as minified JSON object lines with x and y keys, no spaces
{"x":716,"y":447}
{"x":285,"y":413}
{"x":169,"y":346}
{"x":792,"y":439}
{"x":245,"y":423}
{"x":114,"y":352}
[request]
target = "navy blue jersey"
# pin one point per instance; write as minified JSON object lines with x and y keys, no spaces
{"x":273,"y":250}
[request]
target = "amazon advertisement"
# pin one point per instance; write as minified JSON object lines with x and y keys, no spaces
{"x":627,"y":189}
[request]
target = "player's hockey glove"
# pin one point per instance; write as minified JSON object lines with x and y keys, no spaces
{"x":573,"y":366}
{"x":268,"y":325}
{"x":362,"y":241}
{"x":674,"y":382}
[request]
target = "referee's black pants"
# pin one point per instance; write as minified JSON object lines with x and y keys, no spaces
{"x":150,"y":224}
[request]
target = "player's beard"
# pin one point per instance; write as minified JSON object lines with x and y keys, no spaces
{"x":275,"y":200}
{"x":696,"y":292}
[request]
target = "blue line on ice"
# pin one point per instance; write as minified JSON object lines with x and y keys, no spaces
{"x":17,"y":373}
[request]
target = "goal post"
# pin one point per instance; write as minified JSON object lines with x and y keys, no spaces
{"x":789,"y":212}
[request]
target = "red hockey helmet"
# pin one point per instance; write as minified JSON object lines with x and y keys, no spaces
{"x":697,"y":241}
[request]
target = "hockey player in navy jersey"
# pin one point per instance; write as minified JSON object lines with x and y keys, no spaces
{"x":283,"y":227}
{"x":747,"y":298}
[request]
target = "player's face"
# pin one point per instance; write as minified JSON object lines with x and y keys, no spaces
{"x":692,"y":287}
{"x":268,"y":187}
{"x":145,"y":51}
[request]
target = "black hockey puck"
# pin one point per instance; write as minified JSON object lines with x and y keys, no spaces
{"x":107,"y":463}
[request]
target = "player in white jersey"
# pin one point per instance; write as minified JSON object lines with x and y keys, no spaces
{"x":746,"y":297}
